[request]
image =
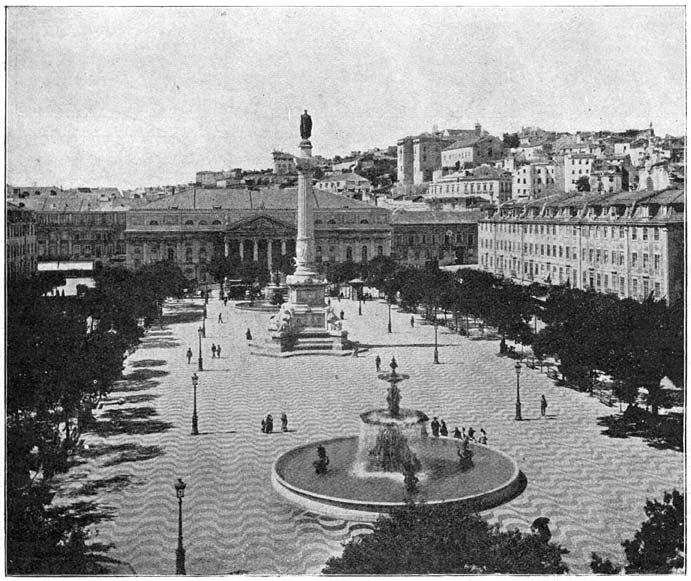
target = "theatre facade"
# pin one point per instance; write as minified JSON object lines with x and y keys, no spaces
{"x":193,"y":226}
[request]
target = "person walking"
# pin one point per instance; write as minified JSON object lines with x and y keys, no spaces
{"x":269,"y":424}
{"x":342,"y":316}
{"x":543,"y":405}
{"x":218,"y":351}
{"x":284,"y":422}
{"x":412,"y":321}
{"x":443,"y":430}
{"x":471,"y":433}
{"x":457,"y":433}
{"x":248,"y":335}
{"x":377,"y":362}
{"x":213,"y":350}
{"x":220,"y":318}
{"x":435,"y":426}
{"x":189,"y":355}
{"x":225,"y":301}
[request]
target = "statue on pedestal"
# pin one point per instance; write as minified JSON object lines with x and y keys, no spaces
{"x":305,"y":125}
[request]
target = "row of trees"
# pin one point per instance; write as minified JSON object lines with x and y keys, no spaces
{"x":63,"y":355}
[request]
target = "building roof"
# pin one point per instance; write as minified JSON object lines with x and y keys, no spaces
{"x":248,"y":199}
{"x":348,"y":177}
{"x":74,"y":201}
{"x":408,"y":216}
{"x":468,"y":142}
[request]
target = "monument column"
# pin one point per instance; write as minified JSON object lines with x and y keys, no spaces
{"x":283,"y":247}
{"x":269,"y":250}
{"x":226,"y":246}
{"x":242,"y":249}
{"x":255,"y":249}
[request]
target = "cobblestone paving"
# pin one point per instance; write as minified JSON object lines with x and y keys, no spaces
{"x":593,"y":488}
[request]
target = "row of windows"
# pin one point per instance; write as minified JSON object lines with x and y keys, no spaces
{"x":349,"y":253}
{"x":588,"y":231}
{"x":595,"y":280}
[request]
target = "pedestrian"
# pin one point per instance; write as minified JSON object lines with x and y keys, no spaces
{"x":457,"y":433}
{"x":269,"y":424}
{"x":218,"y":351}
{"x":443,"y":430}
{"x":483,"y":437}
{"x":412,"y":321}
{"x":263,"y":426}
{"x":543,"y":405}
{"x":284,"y":422}
{"x":248,"y":335}
{"x":213,"y":350}
{"x":328,"y":302}
{"x":342,"y":316}
{"x":377,"y":362}
{"x":220,"y":318}
{"x":189,"y":355}
{"x":471,"y":433}
{"x":435,"y":426}
{"x":463,"y":435}
{"x":225,"y":301}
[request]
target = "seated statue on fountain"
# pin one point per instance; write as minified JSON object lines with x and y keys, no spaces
{"x":320,"y":465}
{"x":281,"y":321}
{"x":465,"y":455}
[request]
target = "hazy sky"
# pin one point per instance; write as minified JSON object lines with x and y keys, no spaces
{"x":131,"y":97}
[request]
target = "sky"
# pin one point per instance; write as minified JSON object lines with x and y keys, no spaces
{"x":131,"y":97}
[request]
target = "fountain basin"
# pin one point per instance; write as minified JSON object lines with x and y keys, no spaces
{"x":346,"y":493}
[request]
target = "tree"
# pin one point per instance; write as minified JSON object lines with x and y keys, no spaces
{"x":658,"y":547}
{"x":443,"y":539}
{"x":511,"y":140}
{"x":380,"y":269}
{"x":583,"y":184}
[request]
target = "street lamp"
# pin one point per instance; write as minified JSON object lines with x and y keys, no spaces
{"x":195,"y":427}
{"x":359,"y":306}
{"x":389,"y":317}
{"x":204,"y":323}
{"x":200,"y":332}
{"x":436,"y":351}
{"x":180,"y":552}
{"x":518,"y":392}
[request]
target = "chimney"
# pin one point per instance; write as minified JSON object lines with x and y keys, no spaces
{"x":478,"y":129}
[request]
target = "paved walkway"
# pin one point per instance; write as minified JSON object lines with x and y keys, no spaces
{"x":593,"y":488}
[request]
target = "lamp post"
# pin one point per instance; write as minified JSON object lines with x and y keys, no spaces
{"x":195,"y":421}
{"x":180,"y":551}
{"x":204,"y":323}
{"x":518,"y":392}
{"x":200,"y":332}
{"x":389,"y":328}
{"x":359,"y":306}
{"x":436,"y":351}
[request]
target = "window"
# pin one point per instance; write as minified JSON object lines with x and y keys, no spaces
{"x":349,"y":253}
{"x":606,"y":282}
{"x":634,"y":287}
{"x":634,"y":259}
{"x":597,"y":256}
{"x":188,"y":254}
{"x":567,"y":252}
{"x":363,"y":254}
{"x":656,"y":233}
{"x":634,"y":233}
{"x":645,"y":260}
{"x":646,"y":287}
{"x":656,"y":262}
{"x":189,"y":223}
{"x":332,"y":221}
{"x":605,"y":256}
{"x":364,"y":221}
{"x":153,"y":223}
{"x":645,"y":233}
{"x":216,"y":222}
{"x":203,"y":223}
{"x":621,"y":286}
{"x":657,"y":290}
{"x":554,"y":250}
{"x":590,"y":255}
{"x":380,"y":251}
{"x":548,"y":250}
{"x":542,"y":249}
{"x":621,"y":231}
{"x":621,"y":258}
{"x":317,"y":221}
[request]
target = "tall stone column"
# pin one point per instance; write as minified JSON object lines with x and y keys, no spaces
{"x":269,"y":250}
{"x":283,"y":247}
{"x":255,"y":249}
{"x":242,"y":249}
{"x":226,"y":249}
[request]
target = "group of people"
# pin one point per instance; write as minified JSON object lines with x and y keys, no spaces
{"x":215,"y":351}
{"x":268,"y":423}
{"x":439,"y":428}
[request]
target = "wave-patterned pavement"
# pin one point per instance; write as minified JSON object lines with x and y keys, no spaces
{"x":593,"y":488}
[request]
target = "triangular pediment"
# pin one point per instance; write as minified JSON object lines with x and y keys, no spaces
{"x":262,"y":225}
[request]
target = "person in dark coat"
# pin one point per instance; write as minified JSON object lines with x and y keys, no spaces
{"x":443,"y":430}
{"x":248,"y":334}
{"x":412,"y":321}
{"x":213,"y":350}
{"x":457,"y":433}
{"x":189,"y":355}
{"x":263,"y":426}
{"x":342,"y":316}
{"x":284,"y":422}
{"x":543,"y":405}
{"x":377,"y":362}
{"x":269,"y":424}
{"x":435,"y":426}
{"x":471,"y":433}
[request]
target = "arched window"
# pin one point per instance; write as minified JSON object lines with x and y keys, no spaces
{"x":380,"y":251}
{"x":188,"y":254}
{"x":216,"y":222}
{"x":363,"y":254}
{"x":153,"y":223}
{"x":202,"y":254}
{"x":364,"y":221}
{"x":317,"y":221}
{"x":332,"y":221}
{"x":189,"y":223}
{"x":349,"y":253}
{"x":203,"y":223}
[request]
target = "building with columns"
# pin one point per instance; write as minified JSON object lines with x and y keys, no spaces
{"x":629,"y":243}
{"x":192,"y":226}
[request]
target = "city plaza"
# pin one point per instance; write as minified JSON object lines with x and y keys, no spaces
{"x":592,"y":488}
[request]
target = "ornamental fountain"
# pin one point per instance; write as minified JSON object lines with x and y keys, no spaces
{"x":392,"y":462}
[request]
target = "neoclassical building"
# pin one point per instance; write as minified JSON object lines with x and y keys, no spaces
{"x":21,"y":248}
{"x":629,"y":243}
{"x":192,"y":226}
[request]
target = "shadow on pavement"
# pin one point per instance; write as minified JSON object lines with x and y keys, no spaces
{"x":138,"y":454}
{"x":159,"y":344}
{"x":144,"y":374}
{"x":384,"y":345}
{"x":139,"y":398}
{"x":117,"y":426}
{"x":112,"y":484}
{"x":663,"y":432}
{"x":149,"y":363}
{"x":134,"y":386}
